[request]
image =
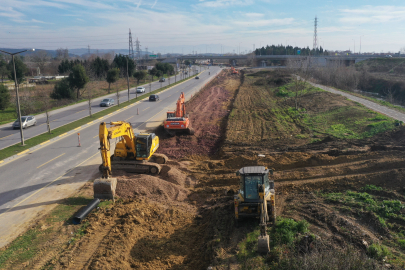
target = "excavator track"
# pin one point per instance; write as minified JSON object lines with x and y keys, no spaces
{"x":134,"y":166}
{"x":159,"y":158}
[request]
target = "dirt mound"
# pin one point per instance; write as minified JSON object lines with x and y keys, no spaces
{"x":208,"y":111}
{"x":173,"y":175}
{"x":135,"y":234}
{"x":151,"y":187}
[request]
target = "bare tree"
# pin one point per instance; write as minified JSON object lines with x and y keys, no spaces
{"x":46,"y":105}
{"x":299,"y":69}
{"x":41,"y":58}
{"x":89,"y":96}
{"x":118,"y":95}
{"x":389,"y":92}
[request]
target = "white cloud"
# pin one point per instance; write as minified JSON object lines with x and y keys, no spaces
{"x":225,"y":3}
{"x":261,"y":23}
{"x":373,"y":14}
{"x":37,"y":21}
{"x":10,"y":12}
{"x":254,"y":15}
{"x":154,"y":4}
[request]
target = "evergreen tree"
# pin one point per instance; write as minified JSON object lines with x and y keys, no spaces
{"x":4,"y":97}
{"x":112,"y":76}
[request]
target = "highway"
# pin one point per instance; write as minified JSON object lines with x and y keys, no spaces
{"x":63,"y":116}
{"x":59,"y":168}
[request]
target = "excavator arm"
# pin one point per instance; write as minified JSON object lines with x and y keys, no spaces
{"x":180,"y":106}
{"x":117,"y":129}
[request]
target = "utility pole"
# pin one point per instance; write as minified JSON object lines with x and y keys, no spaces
{"x":128,"y":81}
{"x":131,"y":46}
{"x":315,"y":45}
{"x":88,"y":49}
{"x":16,"y":92}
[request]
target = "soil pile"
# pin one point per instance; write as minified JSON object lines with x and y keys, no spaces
{"x":208,"y":111}
{"x":151,"y":187}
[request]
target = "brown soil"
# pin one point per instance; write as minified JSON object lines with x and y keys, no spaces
{"x":208,"y":112}
{"x":183,"y":218}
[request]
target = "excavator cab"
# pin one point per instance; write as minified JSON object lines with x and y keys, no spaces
{"x":250,"y":179}
{"x":144,"y":144}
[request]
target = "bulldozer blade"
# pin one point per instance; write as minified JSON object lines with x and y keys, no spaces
{"x":263,"y":246}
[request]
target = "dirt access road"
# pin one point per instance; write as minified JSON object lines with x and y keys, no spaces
{"x":183,"y":219}
{"x":372,"y":105}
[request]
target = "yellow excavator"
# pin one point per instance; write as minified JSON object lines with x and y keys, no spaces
{"x":133,"y":153}
{"x":256,"y":198}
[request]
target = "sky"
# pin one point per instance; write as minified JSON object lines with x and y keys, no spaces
{"x":212,"y":26}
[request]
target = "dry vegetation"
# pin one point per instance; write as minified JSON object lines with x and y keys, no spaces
{"x":36,"y":99}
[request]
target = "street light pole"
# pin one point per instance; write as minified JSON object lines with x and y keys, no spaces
{"x":128,"y":80}
{"x":16,"y":92}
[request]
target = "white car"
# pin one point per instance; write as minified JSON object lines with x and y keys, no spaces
{"x":140,"y":89}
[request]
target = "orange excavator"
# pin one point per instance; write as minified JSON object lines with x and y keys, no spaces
{"x":234,"y":71}
{"x":177,"y":121}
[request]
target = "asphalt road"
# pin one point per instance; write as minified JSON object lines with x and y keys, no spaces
{"x":27,"y":179}
{"x":63,"y":116}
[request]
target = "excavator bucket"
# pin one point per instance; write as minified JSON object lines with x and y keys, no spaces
{"x":263,"y":244}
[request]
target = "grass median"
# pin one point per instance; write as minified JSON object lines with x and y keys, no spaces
{"x":17,"y":148}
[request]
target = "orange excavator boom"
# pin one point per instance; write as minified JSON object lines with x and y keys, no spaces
{"x":178,"y":120}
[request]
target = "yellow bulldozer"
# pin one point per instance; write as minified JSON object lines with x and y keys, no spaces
{"x":133,"y":153}
{"x":256,"y":199}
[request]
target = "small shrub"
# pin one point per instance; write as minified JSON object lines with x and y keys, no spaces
{"x":282,"y":93}
{"x":63,"y":90}
{"x":301,"y":136}
{"x":401,"y":243}
{"x":247,"y":248}
{"x":377,"y":251}
{"x":371,"y":188}
{"x":285,"y":230}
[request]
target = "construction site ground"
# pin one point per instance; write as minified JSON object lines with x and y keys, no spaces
{"x":338,"y":169}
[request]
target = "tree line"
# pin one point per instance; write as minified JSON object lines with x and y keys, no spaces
{"x":289,"y":50}
{"x":99,"y":69}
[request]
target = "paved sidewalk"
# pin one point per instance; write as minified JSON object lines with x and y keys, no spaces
{"x":369,"y":104}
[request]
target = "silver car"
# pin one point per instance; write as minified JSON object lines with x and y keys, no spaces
{"x":140,"y":89}
{"x":107,"y":102}
{"x":26,"y":120}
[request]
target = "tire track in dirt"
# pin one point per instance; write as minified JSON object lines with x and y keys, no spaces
{"x":82,"y":260}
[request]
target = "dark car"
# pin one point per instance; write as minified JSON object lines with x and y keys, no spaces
{"x":153,"y":98}
{"x":107,"y":102}
{"x":197,"y":77}
{"x":162,"y":80}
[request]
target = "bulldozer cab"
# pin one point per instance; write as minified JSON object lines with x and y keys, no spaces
{"x":250,"y":180}
{"x":171,"y":114}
